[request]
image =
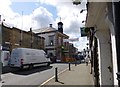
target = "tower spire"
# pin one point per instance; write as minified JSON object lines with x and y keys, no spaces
{"x":60,"y":19}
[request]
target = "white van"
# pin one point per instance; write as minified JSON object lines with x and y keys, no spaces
{"x":5,"y":58}
{"x":26,"y":57}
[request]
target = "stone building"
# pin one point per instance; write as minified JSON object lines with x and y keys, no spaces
{"x":54,"y":44}
{"x":14,"y":37}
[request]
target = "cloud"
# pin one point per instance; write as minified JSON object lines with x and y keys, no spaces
{"x":82,"y":44}
{"x":7,"y":13}
{"x":41,"y":17}
{"x":71,"y":18}
{"x":38,"y":19}
{"x":5,"y":10}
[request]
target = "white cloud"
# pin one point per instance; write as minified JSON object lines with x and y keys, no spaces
{"x":41,"y":17}
{"x":6,"y":11}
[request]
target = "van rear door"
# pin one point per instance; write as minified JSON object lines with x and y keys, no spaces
{"x":15,"y":59}
{"x":5,"y":57}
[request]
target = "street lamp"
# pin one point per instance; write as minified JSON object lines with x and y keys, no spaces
{"x":83,"y":21}
{"x":87,"y":44}
{"x":76,"y":2}
{"x":82,"y":10}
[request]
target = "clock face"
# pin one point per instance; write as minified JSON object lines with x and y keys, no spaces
{"x":59,"y":26}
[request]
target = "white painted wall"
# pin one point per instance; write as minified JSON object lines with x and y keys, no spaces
{"x":104,"y":55}
{"x":46,"y":36}
{"x":114,"y":53}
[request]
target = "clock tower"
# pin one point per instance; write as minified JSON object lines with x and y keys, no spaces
{"x":60,"y":27}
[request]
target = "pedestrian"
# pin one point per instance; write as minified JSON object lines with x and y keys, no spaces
{"x":87,"y":60}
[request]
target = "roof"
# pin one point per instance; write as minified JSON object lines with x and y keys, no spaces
{"x":47,"y":30}
{"x":44,"y":30}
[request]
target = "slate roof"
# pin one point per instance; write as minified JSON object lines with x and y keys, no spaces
{"x":43,"y":30}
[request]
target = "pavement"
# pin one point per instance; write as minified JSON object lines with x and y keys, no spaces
{"x":77,"y":75}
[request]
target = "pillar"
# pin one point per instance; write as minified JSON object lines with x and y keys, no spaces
{"x":105,"y":57}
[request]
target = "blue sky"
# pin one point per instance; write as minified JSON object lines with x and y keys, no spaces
{"x":40,"y":13}
{"x":27,"y":7}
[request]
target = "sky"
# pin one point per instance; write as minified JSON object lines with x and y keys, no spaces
{"x":37,"y":14}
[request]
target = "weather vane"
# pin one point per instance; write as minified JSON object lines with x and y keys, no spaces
{"x":60,"y":19}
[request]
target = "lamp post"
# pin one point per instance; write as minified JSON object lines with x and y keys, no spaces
{"x":83,"y":10}
{"x":76,"y":2}
{"x":1,"y":24}
{"x":83,"y":21}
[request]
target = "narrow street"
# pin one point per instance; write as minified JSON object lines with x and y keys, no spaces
{"x":64,"y":33}
{"x":36,"y":76}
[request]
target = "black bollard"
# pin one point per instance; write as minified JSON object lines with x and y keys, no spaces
{"x":75,"y":63}
{"x":56,"y":76}
{"x":69,"y":66}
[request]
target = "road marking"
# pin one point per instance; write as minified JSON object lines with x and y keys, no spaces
{"x":53,"y":77}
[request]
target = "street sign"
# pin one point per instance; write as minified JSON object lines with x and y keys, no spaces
{"x":84,"y":31}
{"x":71,"y":40}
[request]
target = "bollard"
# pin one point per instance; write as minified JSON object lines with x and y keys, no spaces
{"x":75,"y":63}
{"x":56,"y":76}
{"x":69,"y":66}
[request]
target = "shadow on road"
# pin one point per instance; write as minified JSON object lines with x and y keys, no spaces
{"x":61,"y":82}
{"x":31,"y":71}
{"x":78,"y":62}
{"x":7,"y":69}
{"x":26,"y":71}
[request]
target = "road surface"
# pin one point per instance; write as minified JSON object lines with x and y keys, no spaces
{"x":35,"y":76}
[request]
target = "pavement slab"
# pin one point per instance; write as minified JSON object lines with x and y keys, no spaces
{"x":78,"y":75}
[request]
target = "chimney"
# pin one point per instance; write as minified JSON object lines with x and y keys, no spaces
{"x":30,"y":29}
{"x":51,"y":25}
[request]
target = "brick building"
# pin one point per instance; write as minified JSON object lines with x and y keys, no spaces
{"x":14,"y":37}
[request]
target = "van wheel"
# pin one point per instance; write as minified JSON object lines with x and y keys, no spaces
{"x":21,"y":68}
{"x":48,"y":64}
{"x":31,"y":66}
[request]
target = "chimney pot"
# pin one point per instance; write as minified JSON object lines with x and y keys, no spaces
{"x":50,"y":25}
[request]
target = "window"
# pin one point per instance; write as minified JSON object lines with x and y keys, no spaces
{"x":51,"y":40}
{"x":59,"y":40}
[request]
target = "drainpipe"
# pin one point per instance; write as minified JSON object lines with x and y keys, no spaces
{"x":0,"y":50}
{"x":116,"y":15}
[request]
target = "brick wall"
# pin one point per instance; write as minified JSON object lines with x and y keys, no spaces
{"x":14,"y":37}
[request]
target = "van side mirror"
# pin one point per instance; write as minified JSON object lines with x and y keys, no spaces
{"x":47,"y":56}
